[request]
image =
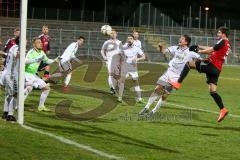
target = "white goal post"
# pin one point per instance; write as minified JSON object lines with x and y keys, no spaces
{"x":23,"y":30}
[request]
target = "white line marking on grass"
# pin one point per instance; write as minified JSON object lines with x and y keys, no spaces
{"x":67,"y":141}
{"x":198,"y":109}
{"x":221,"y":77}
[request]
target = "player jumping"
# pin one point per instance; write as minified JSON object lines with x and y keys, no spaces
{"x":110,"y":53}
{"x":130,"y":58}
{"x":181,"y":54}
{"x":65,"y":66}
{"x":211,"y":66}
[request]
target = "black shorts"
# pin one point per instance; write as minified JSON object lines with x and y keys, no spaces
{"x":212,"y":73}
{"x":42,"y":66}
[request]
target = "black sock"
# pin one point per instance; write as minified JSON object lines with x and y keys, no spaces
{"x":184,"y":73}
{"x":217,"y":99}
{"x":46,"y":73}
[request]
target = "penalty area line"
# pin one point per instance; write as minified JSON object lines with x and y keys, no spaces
{"x":73,"y":143}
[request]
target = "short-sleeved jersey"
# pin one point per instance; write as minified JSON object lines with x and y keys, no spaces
{"x":69,"y":52}
{"x":31,"y":55}
{"x":111,"y":47}
{"x":45,"y":42}
{"x":130,"y":53}
{"x":221,"y":51}
{"x":138,"y":43}
{"x":180,"y":57}
{"x":11,"y":66}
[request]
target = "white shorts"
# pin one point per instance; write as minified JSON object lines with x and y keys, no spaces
{"x":35,"y":81}
{"x":166,"y":78}
{"x":65,"y":66}
{"x":113,"y":64}
{"x":169,"y":76}
{"x":129,"y":70}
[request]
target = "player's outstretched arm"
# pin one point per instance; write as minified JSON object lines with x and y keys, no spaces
{"x":208,"y":50}
{"x":162,"y":50}
{"x":33,"y":60}
{"x":160,"y":45}
{"x":203,"y":47}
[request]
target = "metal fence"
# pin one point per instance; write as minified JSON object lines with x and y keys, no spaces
{"x":60,"y":39}
{"x":146,"y":14}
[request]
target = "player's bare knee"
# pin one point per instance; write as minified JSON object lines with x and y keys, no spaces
{"x":47,"y":68}
{"x":212,"y":87}
{"x":46,"y":88}
{"x":191,"y":64}
{"x":159,"y":89}
{"x":164,"y":96}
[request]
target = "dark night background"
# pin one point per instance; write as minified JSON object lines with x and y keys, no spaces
{"x":174,"y":8}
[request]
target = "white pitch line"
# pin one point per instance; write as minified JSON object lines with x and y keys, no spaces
{"x":221,"y":77}
{"x":202,"y":110}
{"x":70,"y":142}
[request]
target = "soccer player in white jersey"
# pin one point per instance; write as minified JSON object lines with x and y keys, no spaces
{"x":137,"y":42}
{"x":33,"y":59}
{"x":9,"y":80}
{"x":130,"y":56}
{"x":181,"y":55}
{"x":111,"y":54}
{"x":65,"y":66}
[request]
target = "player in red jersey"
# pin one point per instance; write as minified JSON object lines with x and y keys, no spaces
{"x":212,"y":67}
{"x":11,"y":42}
{"x":46,"y":48}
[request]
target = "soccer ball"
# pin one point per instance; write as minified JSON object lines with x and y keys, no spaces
{"x":106,"y":29}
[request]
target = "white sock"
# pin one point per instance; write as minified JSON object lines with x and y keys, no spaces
{"x":138,"y":91}
{"x":43,"y":97}
{"x":6,"y":102}
{"x":67,"y":79}
{"x":121,"y":89}
{"x":110,"y":82}
{"x":151,"y":100}
{"x":114,"y":82}
{"x":27,"y":90}
{"x":158,"y":105}
{"x":11,"y":106}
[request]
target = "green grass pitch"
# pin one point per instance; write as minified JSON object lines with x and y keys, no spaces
{"x":95,"y":119}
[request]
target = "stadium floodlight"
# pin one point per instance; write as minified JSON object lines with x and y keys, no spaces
{"x":23,"y":29}
{"x":206,"y":18}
